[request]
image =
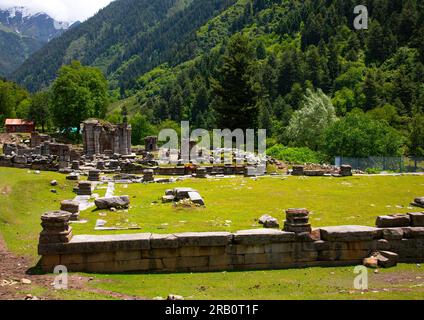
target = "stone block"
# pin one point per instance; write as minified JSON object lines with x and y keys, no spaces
{"x":383,"y":244}
{"x":413,"y":232}
{"x":261,"y":258}
{"x":196,"y":198}
{"x":107,"y":243}
{"x":120,"y":202}
{"x":392,"y":233}
{"x":348,"y":233}
{"x":269,"y":222}
{"x":100,"y":257}
{"x":159,"y":253}
{"x":127,"y":255}
{"x":321,"y":245}
{"x":337,"y":255}
{"x":201,"y":251}
{"x":305,"y":256}
{"x":120,"y":266}
{"x":245,"y":249}
{"x":193,"y":239}
{"x":186,"y":263}
{"x":283,"y":247}
{"x":50,"y":260}
{"x":263,"y":236}
{"x":159,"y":241}
{"x":393,"y":221}
{"x":417,"y":219}
{"x":281,"y":259}
{"x":387,"y":259}
{"x":224,"y":261}
{"x":70,"y":259}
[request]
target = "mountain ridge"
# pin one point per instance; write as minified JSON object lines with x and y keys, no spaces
{"x":22,"y":32}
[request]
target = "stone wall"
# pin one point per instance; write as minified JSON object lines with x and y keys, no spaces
{"x":258,"y":249}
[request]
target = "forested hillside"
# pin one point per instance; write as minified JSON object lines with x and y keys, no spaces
{"x":22,"y":33}
{"x":297,"y":68}
{"x":15,"y":49}
{"x":266,"y":55}
{"x":126,"y":39}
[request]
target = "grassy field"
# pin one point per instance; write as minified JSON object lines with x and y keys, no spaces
{"x":232,"y":204}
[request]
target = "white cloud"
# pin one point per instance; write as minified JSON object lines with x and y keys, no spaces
{"x":62,"y":10}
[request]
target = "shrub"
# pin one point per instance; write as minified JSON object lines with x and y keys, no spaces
{"x":294,"y":155}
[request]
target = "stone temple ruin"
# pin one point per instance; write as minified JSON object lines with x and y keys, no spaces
{"x":104,"y":138}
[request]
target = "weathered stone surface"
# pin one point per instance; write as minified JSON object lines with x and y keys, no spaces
{"x":342,"y":255}
{"x":371,"y":262}
{"x":182,"y":193}
{"x":297,"y":221}
{"x":196,"y":198}
{"x":105,"y":243}
{"x":269,"y":222}
{"x":413,"y":232}
{"x":112,"y":202}
{"x":392,"y":233}
{"x":387,"y":259}
{"x":417,"y":219}
{"x":393,"y":221}
{"x":263,"y":236}
{"x":84,"y":188}
{"x":191,"y":239}
{"x":161,"y":241}
{"x":419,"y":202}
{"x":383,"y":244}
{"x":348,"y":233}
{"x":168,"y":199}
{"x":56,"y":216}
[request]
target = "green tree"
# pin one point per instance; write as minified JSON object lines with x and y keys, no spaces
{"x":264,"y":120}
{"x":141,"y":128}
{"x":358,"y":135}
{"x":39,"y":109}
{"x":307,"y":126}
{"x":77,"y":94}
{"x":14,"y":100}
{"x":235,"y":106}
{"x":416,"y":135}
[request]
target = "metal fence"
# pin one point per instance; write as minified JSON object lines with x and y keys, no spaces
{"x":393,"y":164}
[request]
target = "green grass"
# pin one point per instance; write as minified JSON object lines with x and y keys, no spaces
{"x":24,"y":197}
{"x":402,"y":282}
{"x":357,"y":200}
{"x":332,"y":201}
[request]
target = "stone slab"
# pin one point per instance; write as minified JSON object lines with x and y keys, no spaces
{"x":263,"y":236}
{"x":192,"y":239}
{"x":348,"y":233}
{"x":104,"y":243}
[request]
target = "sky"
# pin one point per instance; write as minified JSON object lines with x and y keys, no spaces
{"x":62,"y":10}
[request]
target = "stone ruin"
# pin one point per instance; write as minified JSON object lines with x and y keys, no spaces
{"x":151,"y":144}
{"x":313,"y":170}
{"x":100,"y":137}
{"x":398,"y":238}
{"x":183,"y":194}
{"x":44,"y":154}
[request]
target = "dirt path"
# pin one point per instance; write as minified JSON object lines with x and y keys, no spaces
{"x":14,"y":284}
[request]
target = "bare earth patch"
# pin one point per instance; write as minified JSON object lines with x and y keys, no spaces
{"x":5,"y":190}
{"x":14,"y":276}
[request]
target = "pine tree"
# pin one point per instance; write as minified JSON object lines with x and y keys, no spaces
{"x":236,"y":107}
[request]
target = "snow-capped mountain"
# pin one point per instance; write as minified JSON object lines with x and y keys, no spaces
{"x":22,"y":32}
{"x":36,"y":25}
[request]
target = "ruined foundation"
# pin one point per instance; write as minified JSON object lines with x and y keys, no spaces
{"x":258,"y":249}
